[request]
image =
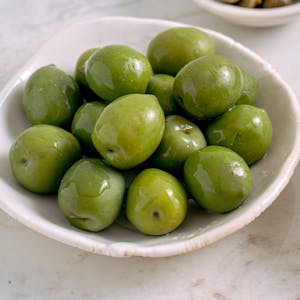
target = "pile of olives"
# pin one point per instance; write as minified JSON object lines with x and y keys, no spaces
{"x":259,"y":3}
{"x":180,"y":119}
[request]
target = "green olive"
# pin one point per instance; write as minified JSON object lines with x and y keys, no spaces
{"x":249,"y":89}
{"x":80,"y":76}
{"x":117,"y":70}
{"x":41,"y":155}
{"x":83,"y":124}
{"x":129,"y":130}
{"x":246,"y":129}
{"x":181,"y":138}
{"x":208,"y":86}
{"x":156,"y":202}
{"x":90,"y":194}
{"x":80,"y":66}
{"x":173,"y":48}
{"x":161,"y":85}
{"x":218,"y":178}
{"x":50,"y":96}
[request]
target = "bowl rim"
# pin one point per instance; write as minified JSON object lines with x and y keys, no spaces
{"x":123,"y":249}
{"x":233,"y":10}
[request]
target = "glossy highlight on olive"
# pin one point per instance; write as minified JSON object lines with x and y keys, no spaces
{"x":41,"y":155}
{"x":117,"y":70}
{"x":218,"y":179}
{"x":129,"y":130}
{"x":156,"y":202}
{"x":90,"y":194}
{"x":172,"y":49}
{"x":246,"y":129}
{"x":249,"y":89}
{"x":181,"y":138}
{"x":83,"y":124}
{"x":208,"y":86}
{"x":50,"y":96}
{"x":161,"y":85}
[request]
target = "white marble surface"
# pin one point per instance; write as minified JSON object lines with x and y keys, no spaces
{"x":261,"y":261}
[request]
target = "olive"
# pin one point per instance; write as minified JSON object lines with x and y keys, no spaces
{"x":156,"y":202}
{"x":208,"y":86}
{"x":161,"y":85}
{"x":173,"y":48}
{"x":248,"y":3}
{"x":117,"y":70}
{"x":83,"y":124}
{"x":41,"y":155}
{"x":80,"y":76}
{"x":129,"y":130}
{"x":50,"y":96}
{"x":90,"y":194}
{"x":276,"y":3}
{"x":80,"y":67}
{"x":246,"y":129}
{"x":218,"y":178}
{"x":181,"y":138}
{"x":249,"y":89}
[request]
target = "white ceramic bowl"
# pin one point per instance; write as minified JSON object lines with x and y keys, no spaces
{"x":250,"y":16}
{"x":41,"y":213}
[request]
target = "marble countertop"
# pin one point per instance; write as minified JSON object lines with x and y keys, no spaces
{"x":261,"y":261}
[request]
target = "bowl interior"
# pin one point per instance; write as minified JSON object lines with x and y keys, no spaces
{"x":41,"y":213}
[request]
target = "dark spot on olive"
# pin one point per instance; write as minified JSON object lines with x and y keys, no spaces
{"x":187,"y":131}
{"x":156,"y":214}
{"x":23,"y":160}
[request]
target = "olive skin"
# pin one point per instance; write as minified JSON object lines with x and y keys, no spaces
{"x":245,"y":129}
{"x":129,"y":130}
{"x":156,"y":202}
{"x":173,"y":48}
{"x":83,"y":124}
{"x":50,"y":96}
{"x":90,"y":194}
{"x":80,"y":67}
{"x":87,"y":94}
{"x":161,"y":85}
{"x":41,"y":155}
{"x":249,"y":89}
{"x":181,"y":138}
{"x":208,"y":86}
{"x":117,"y":70}
{"x":218,"y":179}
